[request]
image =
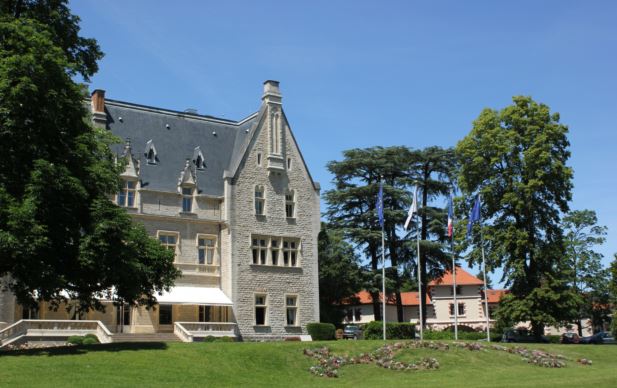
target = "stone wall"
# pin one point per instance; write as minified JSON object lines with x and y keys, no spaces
{"x":275,"y":282}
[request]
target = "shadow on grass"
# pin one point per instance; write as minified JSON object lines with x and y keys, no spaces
{"x":83,"y":349}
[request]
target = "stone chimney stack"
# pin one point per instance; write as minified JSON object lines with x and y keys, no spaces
{"x":272,"y":93}
{"x":98,"y":108}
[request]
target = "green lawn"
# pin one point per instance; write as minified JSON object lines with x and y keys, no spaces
{"x":283,"y":364}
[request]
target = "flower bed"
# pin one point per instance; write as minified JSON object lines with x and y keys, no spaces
{"x":329,"y":364}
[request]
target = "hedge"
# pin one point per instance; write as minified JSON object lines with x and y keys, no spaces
{"x":394,"y":330}
{"x":449,"y":335}
{"x":321,"y":331}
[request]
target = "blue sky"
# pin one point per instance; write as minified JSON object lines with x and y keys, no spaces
{"x":364,"y":73}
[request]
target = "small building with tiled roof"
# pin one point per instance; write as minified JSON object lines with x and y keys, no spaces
{"x":439,"y":303}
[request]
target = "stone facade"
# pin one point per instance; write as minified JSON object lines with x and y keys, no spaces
{"x":195,"y":181}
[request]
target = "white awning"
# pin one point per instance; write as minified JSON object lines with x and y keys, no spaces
{"x":194,"y":295}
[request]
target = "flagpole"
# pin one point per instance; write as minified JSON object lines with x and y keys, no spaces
{"x":383,"y":259}
{"x":454,"y":286}
{"x":383,"y":281}
{"x":419,"y":280}
{"x":488,"y":328}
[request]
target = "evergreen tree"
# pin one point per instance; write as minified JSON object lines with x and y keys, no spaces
{"x":351,"y":207}
{"x":59,"y":232}
{"x":516,"y":158}
{"x":340,"y":277}
{"x":432,"y":170}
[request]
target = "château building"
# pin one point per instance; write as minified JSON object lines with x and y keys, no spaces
{"x":234,"y":201}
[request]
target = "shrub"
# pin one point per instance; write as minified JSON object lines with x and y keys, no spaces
{"x":462,"y":335}
{"x":90,"y":341}
{"x":91,"y":336}
{"x":321,"y":331}
{"x":394,"y":330}
{"x":75,"y":340}
{"x":211,"y":338}
{"x":553,"y":339}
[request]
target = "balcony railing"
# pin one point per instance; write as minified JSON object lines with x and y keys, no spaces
{"x":54,"y":328}
{"x":189,"y":331}
{"x":199,"y":269}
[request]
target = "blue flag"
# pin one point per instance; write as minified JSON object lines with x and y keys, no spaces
{"x":379,"y":204}
{"x":475,"y":214}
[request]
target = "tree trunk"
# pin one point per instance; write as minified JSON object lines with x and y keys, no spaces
{"x":375,"y":295}
{"x":392,"y":247}
{"x":537,"y":329}
{"x":580,"y":327}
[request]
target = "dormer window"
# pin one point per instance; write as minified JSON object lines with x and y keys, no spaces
{"x":198,"y":159}
{"x":126,"y":195}
{"x":187,"y":199}
{"x":150,"y":153}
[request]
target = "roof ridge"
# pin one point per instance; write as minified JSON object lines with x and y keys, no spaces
{"x":197,"y":116}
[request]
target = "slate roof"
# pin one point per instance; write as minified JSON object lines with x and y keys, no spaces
{"x":175,"y":136}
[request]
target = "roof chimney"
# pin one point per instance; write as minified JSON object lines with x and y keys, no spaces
{"x":272,"y":93}
{"x":98,"y":107}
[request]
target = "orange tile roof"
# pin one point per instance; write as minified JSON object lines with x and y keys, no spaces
{"x":407,"y":298}
{"x":463,"y":278}
{"x":494,"y":296}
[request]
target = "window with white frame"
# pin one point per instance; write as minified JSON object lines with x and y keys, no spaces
{"x":290,"y":204}
{"x":290,"y":253}
{"x":260,"y":200}
{"x":206,"y":247}
{"x":187,"y":199}
{"x":260,"y":250}
{"x":291,"y":307}
{"x":275,"y":250}
{"x":126,"y":195}
{"x":169,"y":240}
{"x":461,"y":309}
{"x":261,"y":309}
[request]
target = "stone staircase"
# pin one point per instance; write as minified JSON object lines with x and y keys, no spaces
{"x":145,"y":337}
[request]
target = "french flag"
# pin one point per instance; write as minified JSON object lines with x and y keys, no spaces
{"x":450,"y":217}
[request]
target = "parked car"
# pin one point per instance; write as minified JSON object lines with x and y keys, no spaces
{"x":602,"y":337}
{"x":520,"y":335}
{"x":570,"y":338}
{"x":352,"y":332}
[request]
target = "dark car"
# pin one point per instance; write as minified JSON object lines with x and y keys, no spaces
{"x":570,"y":338}
{"x":598,"y":338}
{"x":352,"y":332}
{"x":520,"y":335}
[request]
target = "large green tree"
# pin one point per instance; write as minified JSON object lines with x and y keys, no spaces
{"x":351,"y":207}
{"x":517,"y":159}
{"x":433,"y":171}
{"x":59,"y":232}
{"x":340,"y":276}
{"x":588,"y":277}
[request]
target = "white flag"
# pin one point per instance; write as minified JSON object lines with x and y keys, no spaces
{"x":413,"y":208}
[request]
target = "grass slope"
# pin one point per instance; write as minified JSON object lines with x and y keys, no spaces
{"x":283,"y":364}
